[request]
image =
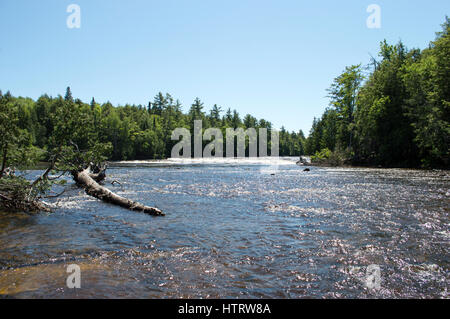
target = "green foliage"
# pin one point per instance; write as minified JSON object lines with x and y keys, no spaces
{"x":323,"y":155}
{"x":16,"y":134}
{"x":343,"y":95}
{"x":58,"y":130}
{"x":400,"y":116}
{"x":80,"y":133}
{"x":330,"y":158}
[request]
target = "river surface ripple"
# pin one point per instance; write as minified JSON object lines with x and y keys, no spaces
{"x":238,"y":231}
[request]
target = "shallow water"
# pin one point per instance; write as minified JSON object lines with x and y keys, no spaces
{"x":238,"y":231}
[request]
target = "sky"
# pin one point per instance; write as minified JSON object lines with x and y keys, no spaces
{"x":272,"y":59}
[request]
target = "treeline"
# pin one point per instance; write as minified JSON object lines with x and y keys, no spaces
{"x":396,"y":115}
{"x":133,"y":131}
{"x":394,"y":112}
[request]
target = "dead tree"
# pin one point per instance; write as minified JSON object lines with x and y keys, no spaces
{"x":90,"y":182}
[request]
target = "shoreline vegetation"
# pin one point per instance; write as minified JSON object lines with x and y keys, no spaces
{"x":394,"y":112}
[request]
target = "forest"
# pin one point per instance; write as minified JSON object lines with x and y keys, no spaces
{"x":133,"y":131}
{"x":394,"y":112}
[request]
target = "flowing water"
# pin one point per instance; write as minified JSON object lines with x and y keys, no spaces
{"x":238,"y":230}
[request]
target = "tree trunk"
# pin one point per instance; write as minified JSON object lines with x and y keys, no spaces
{"x":86,"y":180}
{"x":100,"y":173}
{"x":5,"y":153}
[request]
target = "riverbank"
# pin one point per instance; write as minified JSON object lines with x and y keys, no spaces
{"x":418,"y":168}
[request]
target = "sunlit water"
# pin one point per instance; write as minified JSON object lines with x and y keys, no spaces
{"x":238,"y":231}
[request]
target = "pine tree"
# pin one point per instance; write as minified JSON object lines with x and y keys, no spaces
{"x":196,"y":111}
{"x":93,"y":103}
{"x":68,"y":97}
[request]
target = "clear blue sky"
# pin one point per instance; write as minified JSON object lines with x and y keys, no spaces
{"x":272,"y":59}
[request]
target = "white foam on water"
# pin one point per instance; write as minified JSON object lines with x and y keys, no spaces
{"x":271,"y":161}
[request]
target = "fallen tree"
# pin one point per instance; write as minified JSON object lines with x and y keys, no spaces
{"x":14,"y":204}
{"x":90,"y":182}
{"x":18,"y":194}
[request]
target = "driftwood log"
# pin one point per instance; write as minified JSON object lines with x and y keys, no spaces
{"x":90,"y":182}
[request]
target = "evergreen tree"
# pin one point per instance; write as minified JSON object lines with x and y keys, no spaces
{"x":68,"y":97}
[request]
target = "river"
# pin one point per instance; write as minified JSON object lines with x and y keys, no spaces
{"x":237,"y":229}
